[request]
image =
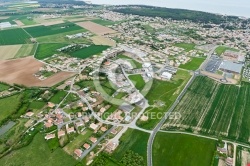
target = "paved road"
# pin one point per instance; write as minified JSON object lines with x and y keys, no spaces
{"x":158,"y":126}
{"x":84,"y":154}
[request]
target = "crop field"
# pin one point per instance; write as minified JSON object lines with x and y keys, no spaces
{"x":134,"y":140}
{"x":89,"y":51}
{"x":215,"y":109}
{"x":39,"y":31}
{"x":47,"y":50}
{"x":38,"y":153}
{"x":8,"y":106}
{"x":161,"y":103}
{"x":194,"y":64}
{"x":242,"y":156}
{"x":137,"y":81}
{"x":25,"y":50}
{"x":96,"y":28}
{"x":186,"y":46}
{"x":14,"y":36}
{"x":21,"y":71}
{"x":179,"y":150}
{"x":9,"y":52}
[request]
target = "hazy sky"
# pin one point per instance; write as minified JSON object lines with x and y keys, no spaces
{"x":230,"y":7}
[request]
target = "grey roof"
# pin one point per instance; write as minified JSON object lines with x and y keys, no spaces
{"x":126,"y":107}
{"x":231,"y":66}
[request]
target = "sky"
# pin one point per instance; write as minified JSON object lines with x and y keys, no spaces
{"x":229,"y":7}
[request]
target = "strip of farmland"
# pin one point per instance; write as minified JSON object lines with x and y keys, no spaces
{"x":216,"y":109}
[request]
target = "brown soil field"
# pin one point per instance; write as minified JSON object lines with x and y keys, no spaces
{"x":4,"y":17}
{"x":9,"y":52}
{"x":21,"y":71}
{"x":99,"y":40}
{"x":96,"y":28}
{"x":52,"y":22}
{"x":19,"y":23}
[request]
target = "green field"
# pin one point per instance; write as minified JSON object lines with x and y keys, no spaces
{"x":57,"y":98}
{"x":215,"y":109}
{"x":25,"y":50}
{"x":103,"y":22}
{"x":221,"y":49}
{"x":8,"y":106}
{"x":37,"y":105}
{"x":38,"y":153}
{"x":179,"y":150}
{"x":61,"y":38}
{"x":132,"y":140}
{"x":194,"y":64}
{"x":137,"y":81}
{"x":4,"y":87}
{"x":47,"y":50}
{"x":89,"y":51}
{"x":78,"y":142}
{"x":14,"y":36}
{"x":39,"y":31}
{"x":162,"y":95}
{"x":186,"y":46}
{"x":133,"y":62}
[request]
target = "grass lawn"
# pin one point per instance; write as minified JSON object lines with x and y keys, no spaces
{"x":38,"y":153}
{"x":4,"y":87}
{"x":133,"y":62}
{"x":137,"y":81}
{"x":221,"y":49}
{"x":112,"y":109}
{"x":47,"y":50}
{"x":134,"y":140}
{"x":162,"y":95}
{"x":37,"y":105}
{"x":89,"y":51}
{"x":187,"y":46}
{"x":57,"y":98}
{"x":9,"y":105}
{"x":14,"y":36}
{"x":78,"y":141}
{"x":179,"y":150}
{"x":194,"y":64}
{"x":25,"y":50}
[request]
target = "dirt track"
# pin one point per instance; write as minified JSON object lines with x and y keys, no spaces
{"x":21,"y":71}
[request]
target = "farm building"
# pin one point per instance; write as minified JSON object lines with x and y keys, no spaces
{"x":166,"y":75}
{"x":231,"y":67}
{"x":5,"y":25}
{"x":234,"y":56}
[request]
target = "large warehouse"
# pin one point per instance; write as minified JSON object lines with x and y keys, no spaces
{"x":231,"y":67}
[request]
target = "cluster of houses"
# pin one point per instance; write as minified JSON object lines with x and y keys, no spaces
{"x":226,"y":154}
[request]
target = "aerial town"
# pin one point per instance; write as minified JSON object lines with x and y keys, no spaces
{"x":95,"y":85}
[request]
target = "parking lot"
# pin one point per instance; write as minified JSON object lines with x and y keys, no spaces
{"x":213,"y":64}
